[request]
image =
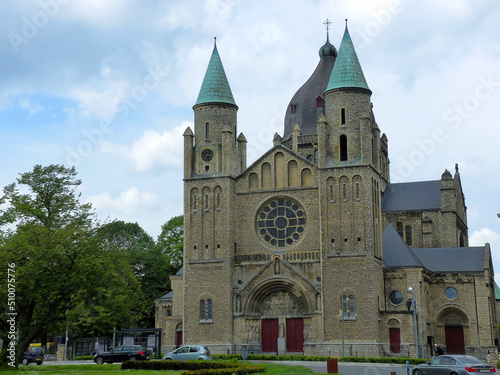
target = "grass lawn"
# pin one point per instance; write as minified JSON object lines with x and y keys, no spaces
{"x":271,"y":369}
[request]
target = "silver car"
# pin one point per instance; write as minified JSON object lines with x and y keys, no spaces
{"x":187,"y":352}
{"x":454,"y":365}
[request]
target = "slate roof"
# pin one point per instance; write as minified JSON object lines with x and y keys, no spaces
{"x":412,"y":196}
{"x":169,"y":295}
{"x":306,"y":111}
{"x":452,"y":259}
{"x":215,"y":87}
{"x":347,"y":72}
{"x":396,"y":252}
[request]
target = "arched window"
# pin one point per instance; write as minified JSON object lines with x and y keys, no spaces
{"x":253,"y":181}
{"x":462,"y":240}
{"x":409,"y":240}
{"x":399,"y":229}
{"x":209,"y":309}
{"x":344,"y":306}
{"x":202,"y":310}
{"x":351,"y":306}
{"x":343,"y":148}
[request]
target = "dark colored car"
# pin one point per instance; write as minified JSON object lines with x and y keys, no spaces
{"x":454,"y":365}
{"x":187,"y":352}
{"x":32,"y":355}
{"x":123,"y":353}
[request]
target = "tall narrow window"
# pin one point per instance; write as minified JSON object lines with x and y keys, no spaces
{"x":344,"y":306}
{"x":342,"y":116}
{"x":344,"y":192}
{"x":209,"y":309}
{"x":202,"y":309}
{"x":357,"y":190}
{"x":343,"y":148}
{"x":399,"y":229}
{"x":206,"y":201}
{"x":207,"y":130}
{"x":409,"y":241}
{"x":351,"y":306}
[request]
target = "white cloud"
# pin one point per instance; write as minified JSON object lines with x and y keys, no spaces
{"x":151,"y":149}
{"x":32,"y":109}
{"x":480,"y":237}
{"x":129,"y":201}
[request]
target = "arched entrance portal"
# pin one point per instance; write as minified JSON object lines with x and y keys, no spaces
{"x":454,"y":320}
{"x":281,"y":306}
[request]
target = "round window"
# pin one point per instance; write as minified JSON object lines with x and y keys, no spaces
{"x":396,"y":297}
{"x":281,"y":222}
{"x":451,"y":293}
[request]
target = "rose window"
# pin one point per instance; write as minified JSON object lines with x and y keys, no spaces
{"x":281,"y":222}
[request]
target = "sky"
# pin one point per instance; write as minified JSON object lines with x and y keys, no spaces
{"x":108,"y":86}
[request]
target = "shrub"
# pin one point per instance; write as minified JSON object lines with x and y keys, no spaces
{"x":83,"y":357}
{"x":193,"y":367}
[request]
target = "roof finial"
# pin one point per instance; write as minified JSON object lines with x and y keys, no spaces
{"x":327,"y":23}
{"x":215,"y":42}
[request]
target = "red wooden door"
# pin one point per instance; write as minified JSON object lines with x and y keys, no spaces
{"x":269,"y":331}
{"x":454,"y":340}
{"x":395,"y":340}
{"x":295,"y":335}
{"x":179,"y":338}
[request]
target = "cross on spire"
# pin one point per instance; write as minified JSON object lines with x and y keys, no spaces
{"x":327,"y":24}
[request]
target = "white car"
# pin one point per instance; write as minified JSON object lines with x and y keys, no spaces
{"x":187,"y":352}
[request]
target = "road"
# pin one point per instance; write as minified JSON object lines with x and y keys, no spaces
{"x":350,"y":368}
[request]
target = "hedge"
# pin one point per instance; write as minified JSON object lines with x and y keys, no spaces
{"x":83,"y":357}
{"x":266,"y":357}
{"x":193,"y":367}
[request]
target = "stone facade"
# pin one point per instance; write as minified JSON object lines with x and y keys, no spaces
{"x":300,"y":245}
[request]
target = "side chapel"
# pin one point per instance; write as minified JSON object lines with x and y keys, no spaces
{"x":311,"y":249}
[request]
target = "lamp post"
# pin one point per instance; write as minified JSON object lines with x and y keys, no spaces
{"x":412,"y":302}
{"x":342,"y":300}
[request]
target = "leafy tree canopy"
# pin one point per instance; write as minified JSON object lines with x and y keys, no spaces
{"x":63,"y":272}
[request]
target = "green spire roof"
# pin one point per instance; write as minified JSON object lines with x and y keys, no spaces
{"x":347,"y":71}
{"x":215,"y":87}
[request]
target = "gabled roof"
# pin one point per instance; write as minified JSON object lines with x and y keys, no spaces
{"x":215,"y":87}
{"x":396,"y":252}
{"x":347,"y":72}
{"x":412,"y":196}
{"x":452,"y":259}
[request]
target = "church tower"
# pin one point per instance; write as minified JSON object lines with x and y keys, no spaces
{"x":213,"y":157}
{"x":350,"y":187}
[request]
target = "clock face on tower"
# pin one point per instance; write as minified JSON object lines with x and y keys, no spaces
{"x":207,"y":155}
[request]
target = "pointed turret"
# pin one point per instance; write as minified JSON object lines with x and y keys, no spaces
{"x":347,"y":72}
{"x":215,"y":87}
{"x":215,"y":125}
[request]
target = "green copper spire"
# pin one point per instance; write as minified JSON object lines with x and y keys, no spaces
{"x":347,"y":71}
{"x":215,"y":87}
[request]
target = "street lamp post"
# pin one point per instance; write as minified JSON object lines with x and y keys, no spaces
{"x":412,"y":302}
{"x":342,"y":300}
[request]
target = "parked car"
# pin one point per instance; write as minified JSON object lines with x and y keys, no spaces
{"x":32,"y":354}
{"x":187,"y":352}
{"x":454,"y":364}
{"x":123,"y":353}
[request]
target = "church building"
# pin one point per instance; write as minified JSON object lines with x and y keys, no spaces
{"x":311,"y":249}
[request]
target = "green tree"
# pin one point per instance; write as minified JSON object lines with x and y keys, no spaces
{"x":61,"y":272}
{"x":150,"y":265}
{"x":171,"y":241}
